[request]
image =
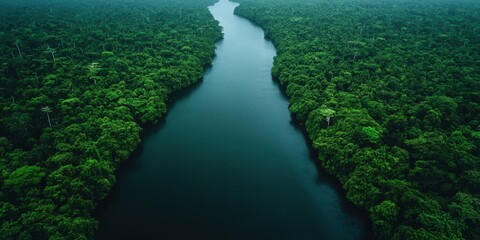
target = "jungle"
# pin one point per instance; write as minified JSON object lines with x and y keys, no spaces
{"x":389,"y":93}
{"x":79,"y":80}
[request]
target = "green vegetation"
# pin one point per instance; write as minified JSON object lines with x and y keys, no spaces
{"x":389,"y":93}
{"x":78,"y":79}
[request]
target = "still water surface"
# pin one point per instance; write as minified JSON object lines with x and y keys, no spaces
{"x":228,"y":163}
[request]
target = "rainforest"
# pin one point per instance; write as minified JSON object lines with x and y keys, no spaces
{"x":389,"y":93}
{"x":360,"y":121}
{"x":79,"y":80}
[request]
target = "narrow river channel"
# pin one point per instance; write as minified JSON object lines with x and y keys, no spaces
{"x":228,"y":163}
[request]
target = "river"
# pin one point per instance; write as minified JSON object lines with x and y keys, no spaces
{"x":228,"y":162}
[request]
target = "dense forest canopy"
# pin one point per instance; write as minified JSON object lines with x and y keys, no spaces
{"x":78,"y":80}
{"x":389,"y":92}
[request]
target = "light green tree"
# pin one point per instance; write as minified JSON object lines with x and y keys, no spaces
{"x":47,"y":110}
{"x":328,"y":114}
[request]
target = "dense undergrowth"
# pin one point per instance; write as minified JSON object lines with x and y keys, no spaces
{"x":78,"y":80}
{"x":389,"y":92}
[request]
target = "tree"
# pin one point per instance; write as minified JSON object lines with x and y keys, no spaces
{"x":47,"y":110}
{"x":24,"y":177}
{"x":384,"y":217}
{"x":93,"y":69}
{"x":370,"y":135}
{"x":18,"y":48}
{"x":328,"y":114}
{"x":52,"y":52}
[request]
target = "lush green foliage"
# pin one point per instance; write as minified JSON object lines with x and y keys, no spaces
{"x":389,"y":93}
{"x":78,"y":79}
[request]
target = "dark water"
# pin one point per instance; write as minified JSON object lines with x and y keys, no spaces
{"x":228,"y":163}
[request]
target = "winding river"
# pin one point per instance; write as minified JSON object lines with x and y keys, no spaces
{"x":228,"y":162}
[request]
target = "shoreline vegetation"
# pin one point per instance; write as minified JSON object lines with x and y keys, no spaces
{"x":388,"y":92}
{"x":78,"y":82}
